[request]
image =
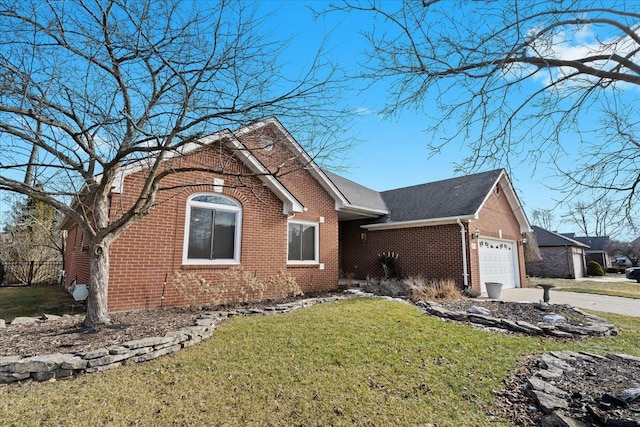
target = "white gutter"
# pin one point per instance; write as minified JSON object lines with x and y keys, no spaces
{"x":465,"y":274}
{"x":341,"y":207}
{"x":418,"y":223}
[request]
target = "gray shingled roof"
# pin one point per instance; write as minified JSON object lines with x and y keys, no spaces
{"x":453,"y":197}
{"x":549,"y":238}
{"x":356,"y":194}
{"x":596,"y":244}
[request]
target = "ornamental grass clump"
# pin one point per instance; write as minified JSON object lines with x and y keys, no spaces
{"x":415,"y":288}
{"x":423,"y":289}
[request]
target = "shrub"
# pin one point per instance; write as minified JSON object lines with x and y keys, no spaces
{"x":389,"y":261}
{"x":594,"y":269}
{"x":283,"y":285}
{"x":387,"y":287}
{"x":235,"y":285}
{"x":429,"y":289}
{"x":243,"y":284}
{"x":415,"y":288}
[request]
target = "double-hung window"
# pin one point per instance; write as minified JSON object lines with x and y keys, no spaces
{"x":212,"y":232}
{"x":302,"y":245}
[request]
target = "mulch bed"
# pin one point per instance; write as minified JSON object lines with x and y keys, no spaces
{"x":517,"y":311}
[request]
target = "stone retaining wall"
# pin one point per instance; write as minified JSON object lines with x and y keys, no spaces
{"x":66,"y":365}
{"x":594,"y":326}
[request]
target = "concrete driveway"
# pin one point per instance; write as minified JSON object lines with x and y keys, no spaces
{"x":607,"y":304}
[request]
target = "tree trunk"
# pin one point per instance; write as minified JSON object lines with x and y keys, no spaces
{"x":97,"y":309}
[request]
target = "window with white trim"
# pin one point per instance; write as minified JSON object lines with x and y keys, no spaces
{"x":212,"y":230}
{"x":302,"y":244}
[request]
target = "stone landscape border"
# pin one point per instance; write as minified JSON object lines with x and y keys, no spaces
{"x":66,"y":365}
{"x":595,"y":326}
{"x":552,"y":400}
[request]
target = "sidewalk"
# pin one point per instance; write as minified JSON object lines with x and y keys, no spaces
{"x":607,"y":304}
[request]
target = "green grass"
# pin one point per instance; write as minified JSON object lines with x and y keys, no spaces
{"x":31,"y":300}
{"x":356,"y":362}
{"x":622,"y":288}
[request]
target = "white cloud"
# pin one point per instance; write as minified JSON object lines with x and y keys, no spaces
{"x":363,"y":111}
{"x":579,"y":44}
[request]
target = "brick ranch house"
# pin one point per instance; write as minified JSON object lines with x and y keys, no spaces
{"x":299,"y":220}
{"x":561,"y":256}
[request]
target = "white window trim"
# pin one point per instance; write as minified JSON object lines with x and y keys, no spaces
{"x":316,"y":241}
{"x":237,"y":237}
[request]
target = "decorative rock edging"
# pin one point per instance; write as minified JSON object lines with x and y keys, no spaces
{"x":66,"y":365}
{"x":554,"y":401}
{"x":594,"y":327}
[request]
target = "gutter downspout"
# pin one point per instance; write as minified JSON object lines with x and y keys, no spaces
{"x":465,"y":274}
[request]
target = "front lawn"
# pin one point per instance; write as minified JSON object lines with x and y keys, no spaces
{"x":621,"y":287}
{"x":361,"y":361}
{"x":31,"y":300}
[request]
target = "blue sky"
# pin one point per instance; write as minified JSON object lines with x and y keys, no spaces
{"x":391,"y":152}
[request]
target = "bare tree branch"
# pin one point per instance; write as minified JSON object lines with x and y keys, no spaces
{"x":518,"y":83}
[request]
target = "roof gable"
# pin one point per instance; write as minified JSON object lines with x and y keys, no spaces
{"x":290,"y":202}
{"x":346,"y":194}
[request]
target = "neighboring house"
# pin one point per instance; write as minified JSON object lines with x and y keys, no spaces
{"x":307,"y":223}
{"x":597,"y":248}
{"x":561,"y":256}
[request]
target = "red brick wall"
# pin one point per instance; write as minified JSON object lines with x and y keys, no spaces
{"x":76,"y":256}
{"x":151,"y":249}
{"x":433,"y":252}
{"x":496,"y":220}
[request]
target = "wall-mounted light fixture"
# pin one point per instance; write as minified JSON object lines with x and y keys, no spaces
{"x":524,"y":240}
{"x":363,"y":237}
{"x":475,"y":234}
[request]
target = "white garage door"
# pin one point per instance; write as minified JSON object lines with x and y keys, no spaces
{"x":498,"y":262}
{"x":578,"y":265}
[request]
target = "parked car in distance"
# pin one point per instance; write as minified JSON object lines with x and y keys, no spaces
{"x":622,"y":261}
{"x":633,"y":273}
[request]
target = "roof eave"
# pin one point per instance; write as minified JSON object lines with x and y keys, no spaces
{"x":362,"y":210}
{"x":419,"y":223}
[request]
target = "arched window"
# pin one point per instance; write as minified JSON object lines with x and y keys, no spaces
{"x":212,"y":231}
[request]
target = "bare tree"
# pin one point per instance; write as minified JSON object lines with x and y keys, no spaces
{"x":88,"y":86}
{"x":32,"y":235}
{"x":544,"y":218}
{"x":512,"y":79}
{"x":599,"y":218}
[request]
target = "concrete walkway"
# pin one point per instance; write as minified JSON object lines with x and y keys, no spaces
{"x":604,"y":303}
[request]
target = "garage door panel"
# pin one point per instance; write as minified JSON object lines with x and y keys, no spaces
{"x":498,"y":262}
